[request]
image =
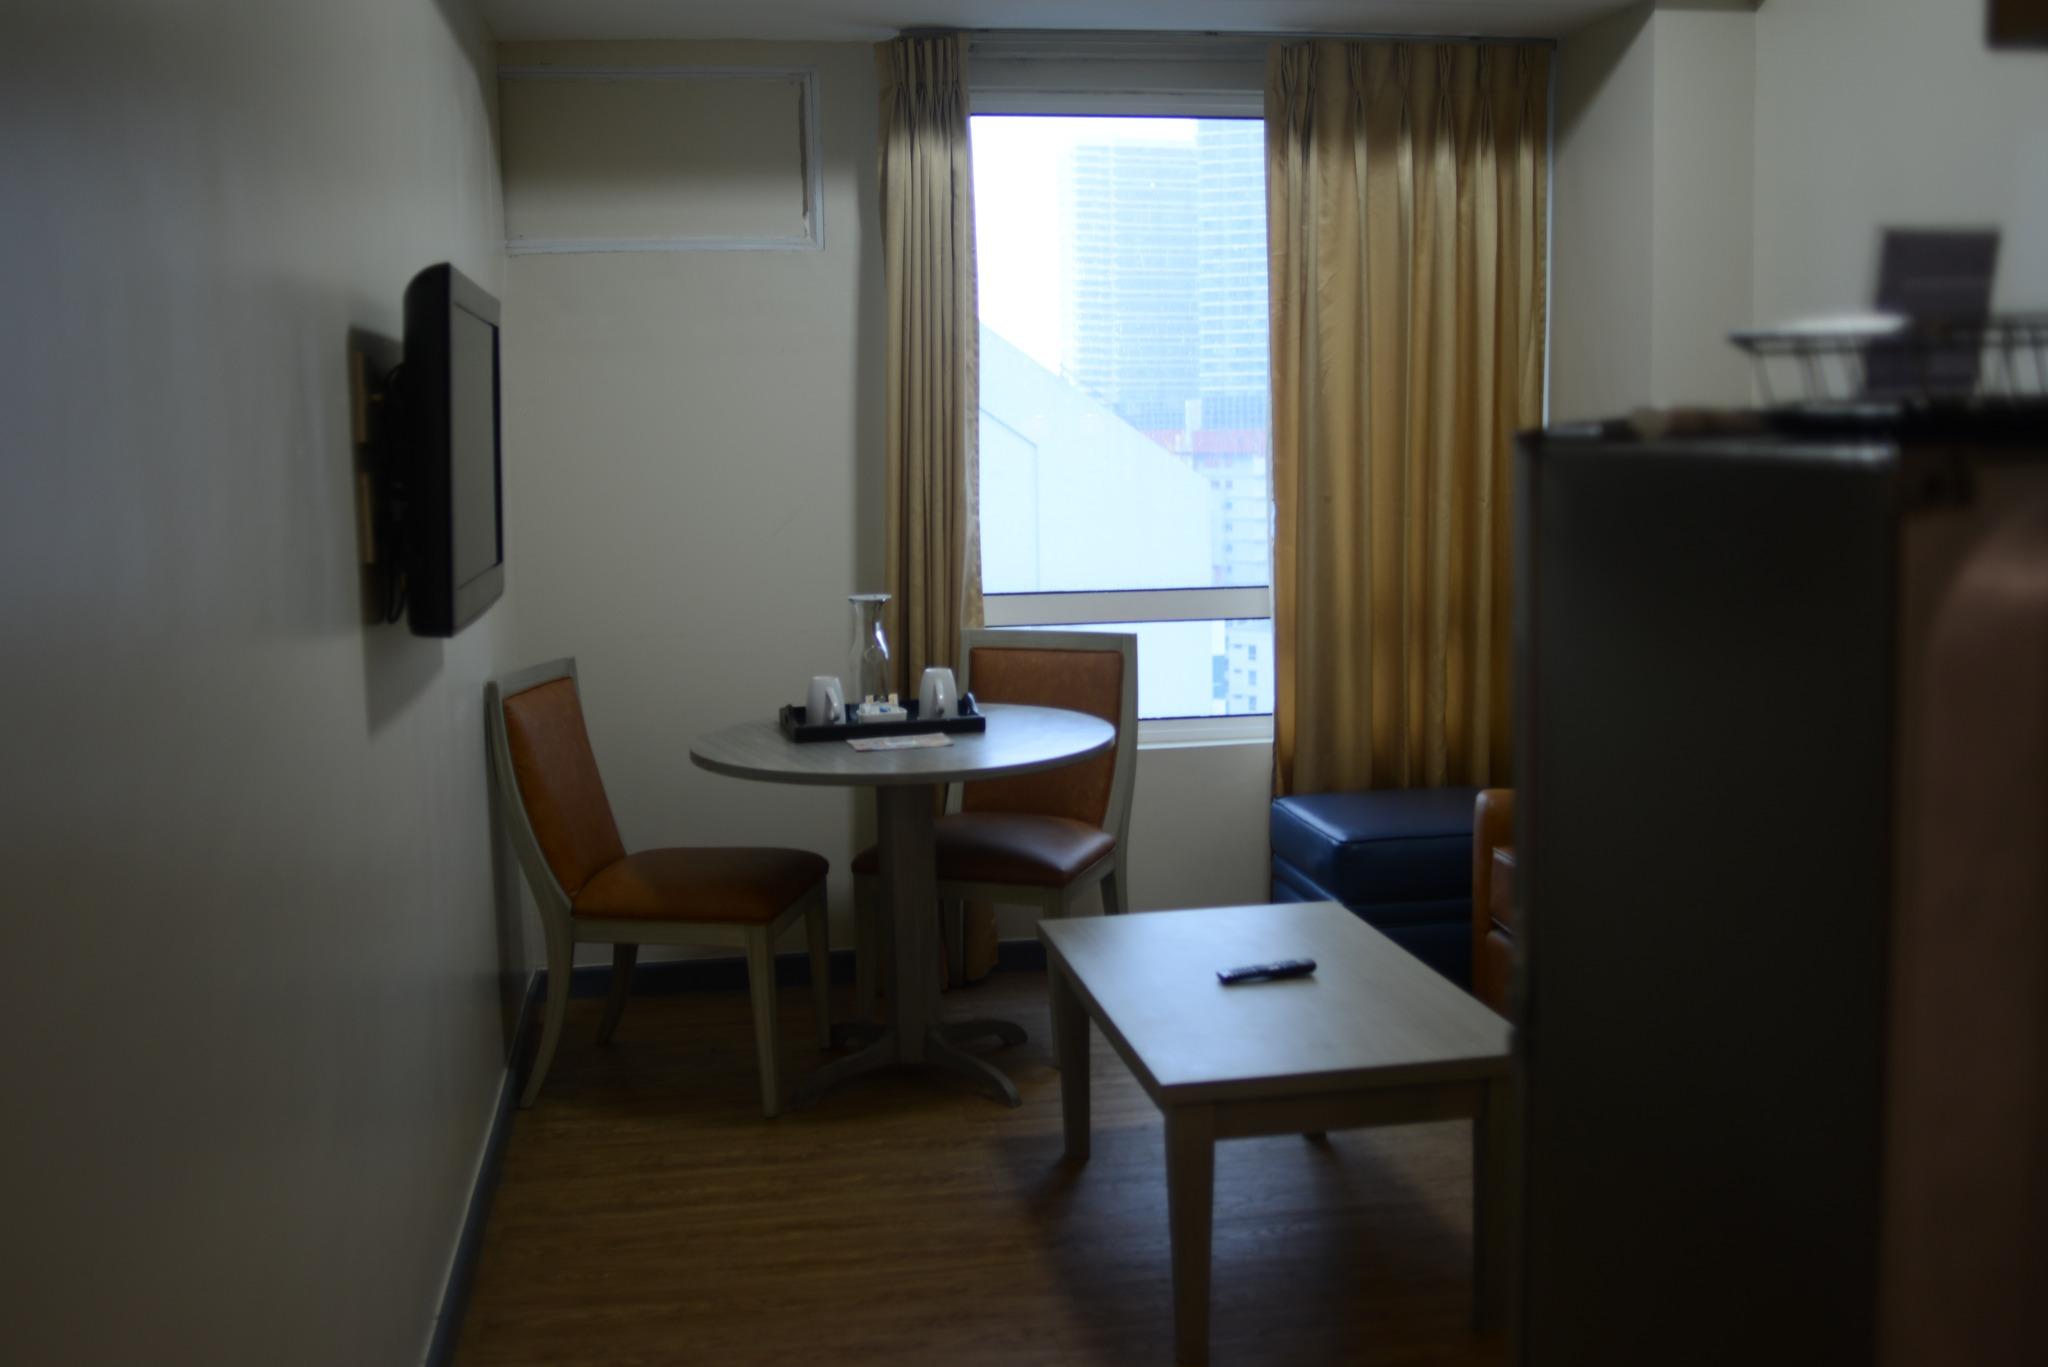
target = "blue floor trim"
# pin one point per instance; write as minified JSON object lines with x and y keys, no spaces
{"x":469,"y":1243}
{"x":729,"y":974}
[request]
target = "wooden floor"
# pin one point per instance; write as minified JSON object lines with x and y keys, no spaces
{"x":649,"y":1215}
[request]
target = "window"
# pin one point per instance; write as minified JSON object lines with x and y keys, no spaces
{"x":1124,"y":393}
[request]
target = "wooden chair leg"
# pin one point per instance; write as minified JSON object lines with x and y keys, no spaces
{"x":867,"y":948}
{"x":1113,"y":889}
{"x":561,"y":953}
{"x":1064,"y":907}
{"x":955,"y":913}
{"x":816,"y":933}
{"x":761,"y":988}
{"x":884,"y":931}
{"x":623,"y":959}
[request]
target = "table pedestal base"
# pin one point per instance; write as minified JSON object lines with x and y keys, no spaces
{"x":941,"y":1050}
{"x":914,"y":1034}
{"x":1018,"y":740}
{"x":846,"y":1034}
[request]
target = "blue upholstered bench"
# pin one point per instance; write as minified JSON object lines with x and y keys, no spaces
{"x":1400,"y":859}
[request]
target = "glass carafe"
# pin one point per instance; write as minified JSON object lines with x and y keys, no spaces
{"x":867,"y":659}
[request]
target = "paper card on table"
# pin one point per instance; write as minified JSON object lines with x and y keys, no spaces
{"x":929,"y":741}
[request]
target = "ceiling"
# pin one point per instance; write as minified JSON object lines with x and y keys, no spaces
{"x":868,"y":20}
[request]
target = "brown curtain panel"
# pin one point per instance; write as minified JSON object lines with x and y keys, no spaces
{"x":932,"y":373}
{"x":934,"y":560}
{"x":1406,"y":194}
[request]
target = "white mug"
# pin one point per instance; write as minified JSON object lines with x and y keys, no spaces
{"x":826,"y":705}
{"x":937,"y":695}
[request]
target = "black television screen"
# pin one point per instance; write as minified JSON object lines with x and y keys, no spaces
{"x":455,"y":562}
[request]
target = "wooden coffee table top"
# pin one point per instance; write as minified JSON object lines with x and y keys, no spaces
{"x":1372,"y":1015}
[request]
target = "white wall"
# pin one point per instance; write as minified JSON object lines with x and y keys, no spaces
{"x":1651,"y":243}
{"x":1199,"y":822}
{"x":695,"y":442}
{"x":1600,"y":257}
{"x":1718,"y":167}
{"x":252,"y":1005}
{"x":1891,"y":112}
{"x":1702,"y":177}
{"x":695,"y":486}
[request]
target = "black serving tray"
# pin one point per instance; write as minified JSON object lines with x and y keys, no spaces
{"x":971,"y":721}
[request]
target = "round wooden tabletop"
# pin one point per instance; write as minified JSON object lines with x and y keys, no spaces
{"x":1019,"y":740}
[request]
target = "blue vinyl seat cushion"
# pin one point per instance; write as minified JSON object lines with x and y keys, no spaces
{"x":1382,"y":848}
{"x":1400,"y":858}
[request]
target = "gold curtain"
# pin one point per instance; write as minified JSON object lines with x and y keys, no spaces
{"x":932,"y":374}
{"x":934,"y":558}
{"x":1406,"y":194}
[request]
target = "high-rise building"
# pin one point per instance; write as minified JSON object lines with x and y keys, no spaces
{"x":1229,"y":443}
{"x":1230,"y":274}
{"x":1130,"y":319}
{"x":1166,"y":324}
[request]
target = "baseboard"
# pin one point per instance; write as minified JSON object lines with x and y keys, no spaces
{"x":729,"y":973}
{"x":483,"y":1187}
{"x":723,"y":974}
{"x":1021,"y":956}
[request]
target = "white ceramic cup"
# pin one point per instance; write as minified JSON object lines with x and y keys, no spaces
{"x":827,"y":705}
{"x":937,"y":695}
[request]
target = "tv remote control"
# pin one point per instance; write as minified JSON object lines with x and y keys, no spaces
{"x":1254,"y":973}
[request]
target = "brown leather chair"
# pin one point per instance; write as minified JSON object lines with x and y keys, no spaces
{"x":590,"y":890}
{"x":1493,"y":898}
{"x":1039,"y":840}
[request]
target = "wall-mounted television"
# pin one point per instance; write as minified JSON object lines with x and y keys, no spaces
{"x":448,"y":387}
{"x":2017,"y":23}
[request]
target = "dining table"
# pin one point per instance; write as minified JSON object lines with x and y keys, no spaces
{"x":1018,"y":739}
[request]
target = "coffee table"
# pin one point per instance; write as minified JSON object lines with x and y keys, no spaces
{"x":1374,"y":1037}
{"x":1019,"y":740}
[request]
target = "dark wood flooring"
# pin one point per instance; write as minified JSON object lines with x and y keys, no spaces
{"x":649,"y":1215}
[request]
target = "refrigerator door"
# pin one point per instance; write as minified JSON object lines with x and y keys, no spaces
{"x":1706,"y":713}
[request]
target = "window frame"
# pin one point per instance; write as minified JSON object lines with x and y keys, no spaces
{"x":1189,"y":78}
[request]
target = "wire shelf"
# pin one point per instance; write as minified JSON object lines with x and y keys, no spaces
{"x":1891,"y":357}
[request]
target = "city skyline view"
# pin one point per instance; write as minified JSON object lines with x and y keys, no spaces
{"x":1123,"y":261}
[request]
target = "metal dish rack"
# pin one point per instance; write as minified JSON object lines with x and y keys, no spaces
{"x":2003,"y":358}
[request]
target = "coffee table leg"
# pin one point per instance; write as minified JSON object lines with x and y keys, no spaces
{"x":1070,"y":1038}
{"x":1190,"y":1194}
{"x":1492,"y":1204}
{"x":904,"y":828}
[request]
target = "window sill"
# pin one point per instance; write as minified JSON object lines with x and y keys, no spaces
{"x":1178,"y":733}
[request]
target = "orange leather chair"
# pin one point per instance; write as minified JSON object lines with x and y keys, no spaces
{"x":1043,"y":839}
{"x":1493,"y":898}
{"x":590,"y":890}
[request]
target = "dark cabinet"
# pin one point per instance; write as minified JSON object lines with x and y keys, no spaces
{"x":1782,"y":834}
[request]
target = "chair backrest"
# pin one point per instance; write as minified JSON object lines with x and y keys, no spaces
{"x":549,"y":789}
{"x":1084,"y":671}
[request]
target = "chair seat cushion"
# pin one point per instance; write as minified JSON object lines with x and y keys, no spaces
{"x":746,"y":886}
{"x":1389,"y":846}
{"x":1008,"y":847}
